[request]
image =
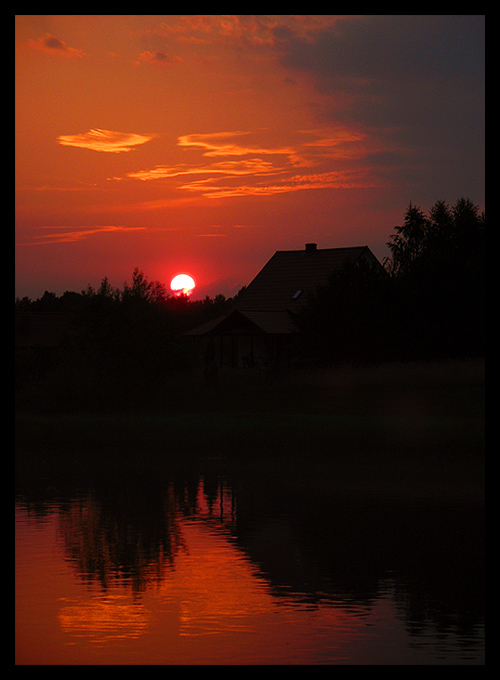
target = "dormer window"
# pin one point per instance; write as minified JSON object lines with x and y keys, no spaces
{"x":297,"y":294}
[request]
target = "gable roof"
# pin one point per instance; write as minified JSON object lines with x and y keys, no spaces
{"x":290,"y":275}
{"x":283,"y":284}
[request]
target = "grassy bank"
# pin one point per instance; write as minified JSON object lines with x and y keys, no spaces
{"x":423,"y":422}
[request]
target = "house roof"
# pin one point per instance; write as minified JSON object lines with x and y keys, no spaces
{"x":283,"y":284}
{"x":290,"y":275}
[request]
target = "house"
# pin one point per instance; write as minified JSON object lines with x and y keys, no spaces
{"x":257,"y":334}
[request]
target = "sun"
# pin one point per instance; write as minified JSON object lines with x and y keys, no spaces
{"x":182,"y":284}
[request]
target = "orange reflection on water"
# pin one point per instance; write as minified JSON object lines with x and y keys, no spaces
{"x":214,"y":586}
{"x":210,"y":606}
{"x":213,"y":589}
{"x":214,"y":607}
{"x":103,"y":619}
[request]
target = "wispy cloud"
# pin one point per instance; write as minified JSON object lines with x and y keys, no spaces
{"x":251,"y":166}
{"x":222,"y":144}
{"x":73,"y":234}
{"x":336,"y":155}
{"x":106,"y":141}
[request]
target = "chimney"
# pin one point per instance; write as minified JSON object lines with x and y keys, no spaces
{"x":311,"y":247}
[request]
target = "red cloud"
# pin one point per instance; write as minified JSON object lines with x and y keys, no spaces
{"x":52,"y":45}
{"x":159,"y":58}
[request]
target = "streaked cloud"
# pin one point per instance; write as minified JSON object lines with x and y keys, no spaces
{"x":211,"y":235}
{"x":106,"y":141}
{"x":342,"y":179}
{"x":251,"y":166}
{"x":72,"y":234}
{"x":336,"y":154}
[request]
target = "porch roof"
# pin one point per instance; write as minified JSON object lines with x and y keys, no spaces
{"x":272,"y":322}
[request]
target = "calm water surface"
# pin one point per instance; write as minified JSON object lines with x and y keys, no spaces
{"x":212,"y":567}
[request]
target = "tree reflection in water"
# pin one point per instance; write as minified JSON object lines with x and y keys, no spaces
{"x":219,"y":548}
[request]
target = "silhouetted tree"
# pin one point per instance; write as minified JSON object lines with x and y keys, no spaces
{"x":437,"y":268}
{"x":408,"y":243}
{"x":447,"y":233}
{"x":429,"y":305}
{"x":142,"y":289}
{"x":124,"y":346}
{"x":105,"y":290}
{"x":347,"y":320}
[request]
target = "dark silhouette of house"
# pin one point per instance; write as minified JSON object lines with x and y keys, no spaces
{"x":258,"y":332}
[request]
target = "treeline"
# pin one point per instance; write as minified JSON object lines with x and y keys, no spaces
{"x":427,"y":303}
{"x":119,"y":347}
{"x":122,"y":346}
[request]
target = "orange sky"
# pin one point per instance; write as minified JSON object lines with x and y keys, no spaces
{"x":204,"y":143}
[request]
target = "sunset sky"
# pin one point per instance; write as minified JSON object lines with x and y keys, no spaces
{"x":202,"y":144}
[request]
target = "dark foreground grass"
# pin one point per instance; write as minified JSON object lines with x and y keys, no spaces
{"x":413,"y":426}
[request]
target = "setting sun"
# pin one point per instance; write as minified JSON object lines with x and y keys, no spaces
{"x":182,"y":284}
